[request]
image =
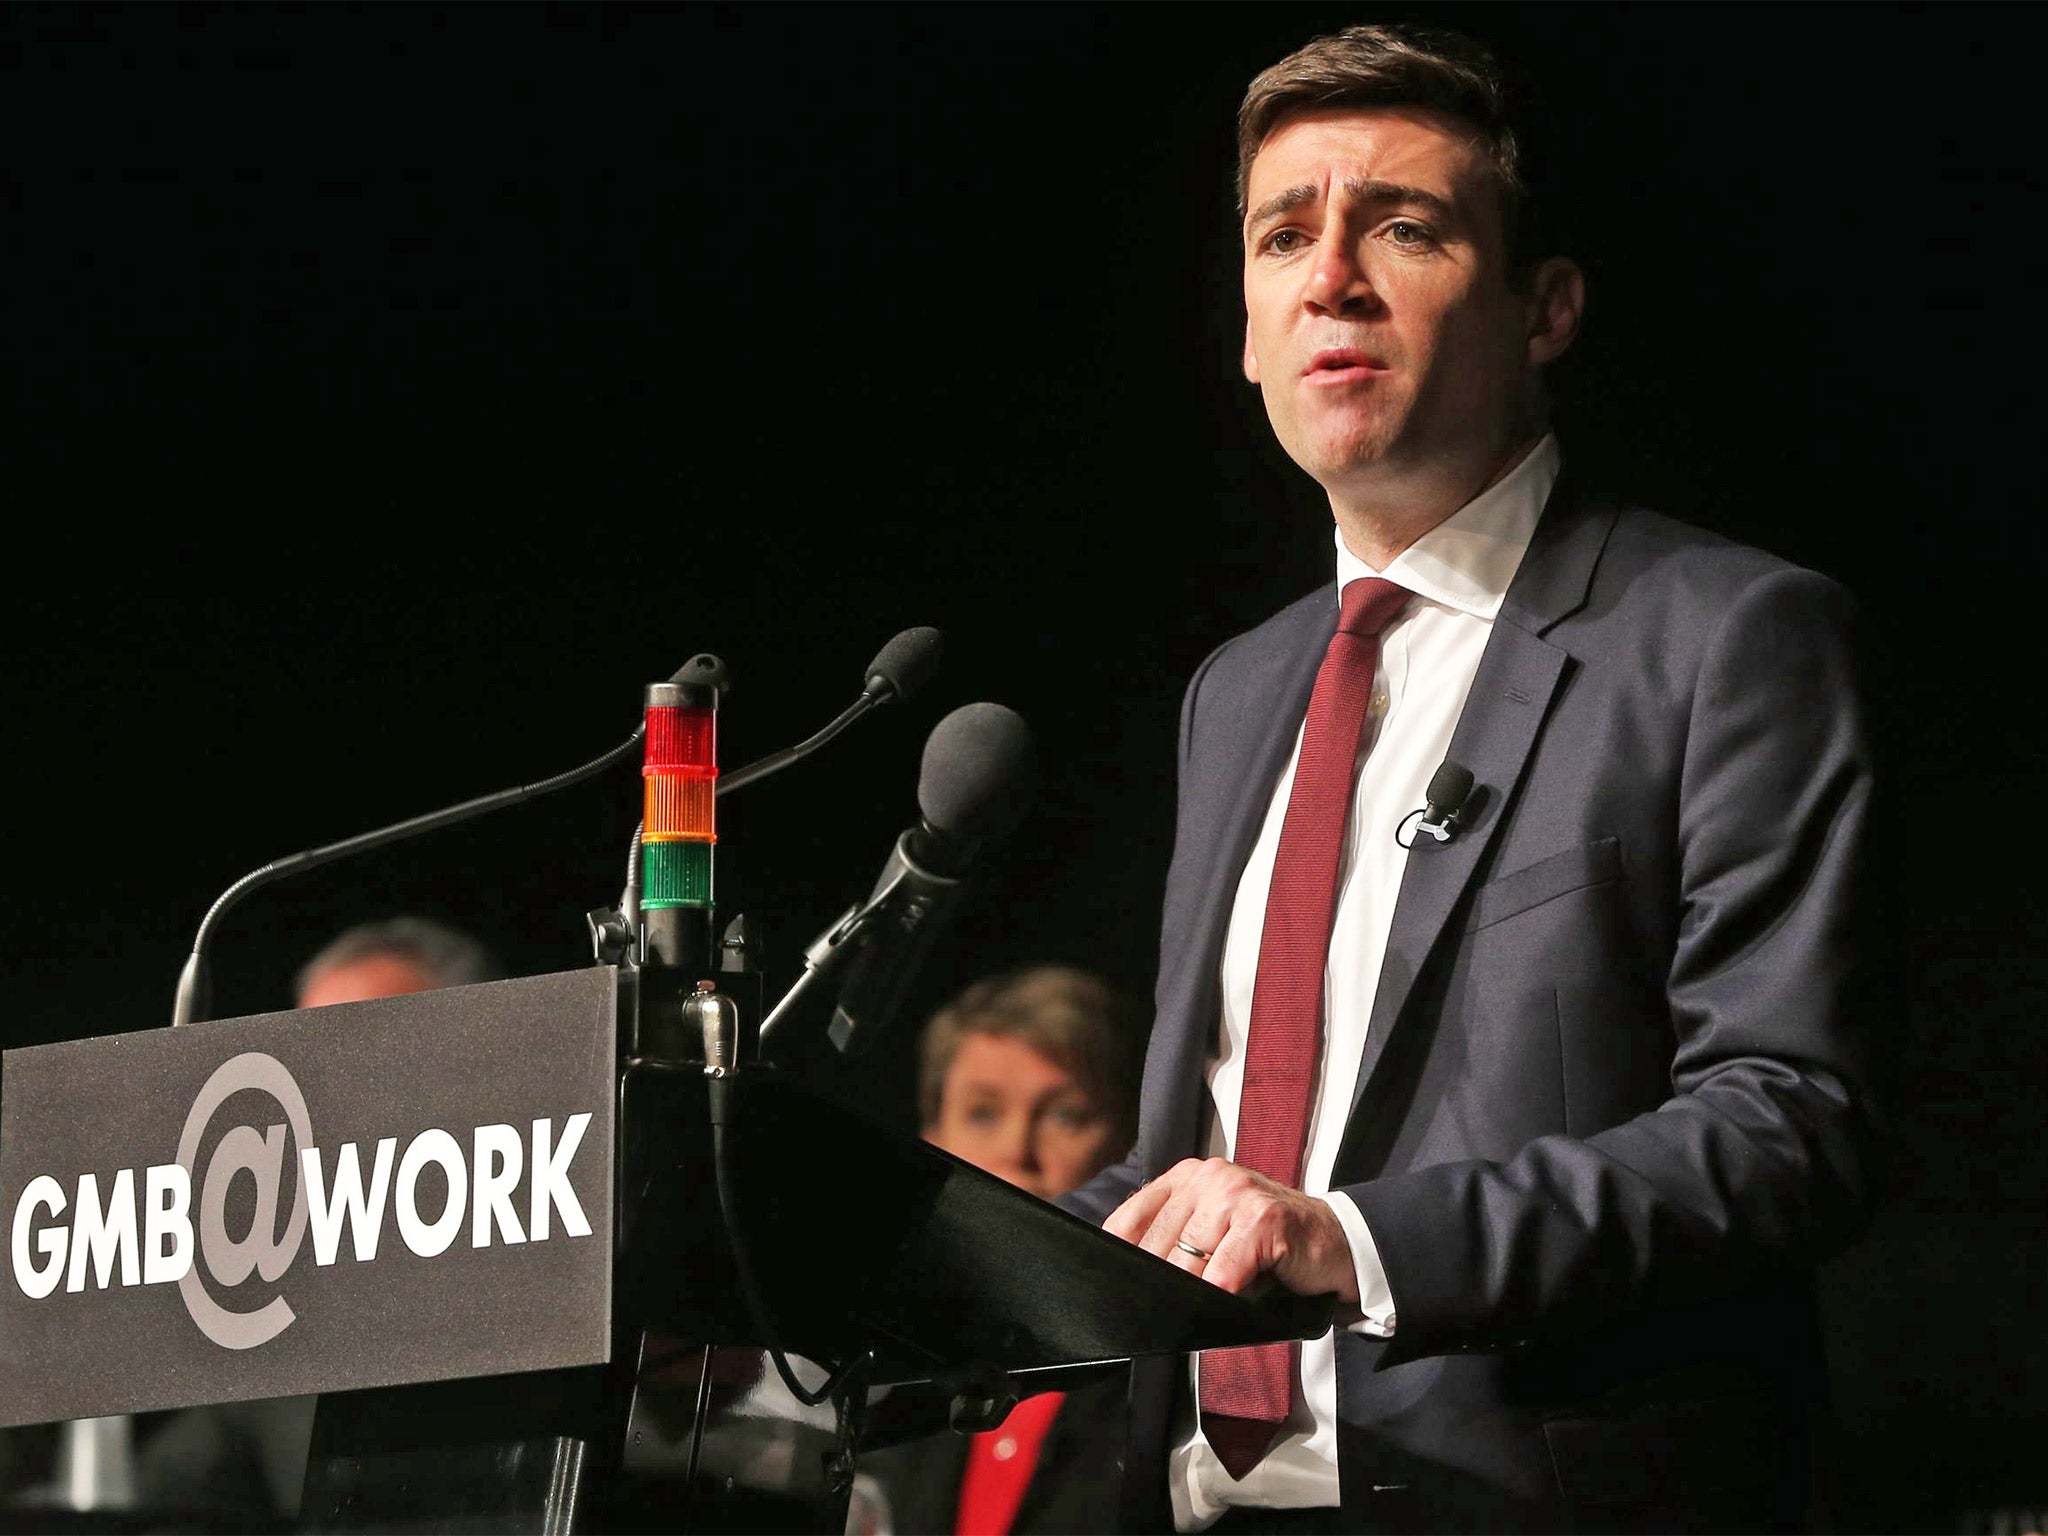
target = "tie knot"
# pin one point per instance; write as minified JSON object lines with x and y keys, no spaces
{"x":1370,"y":604}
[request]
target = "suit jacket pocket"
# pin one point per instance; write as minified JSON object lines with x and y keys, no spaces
{"x":1596,"y":863}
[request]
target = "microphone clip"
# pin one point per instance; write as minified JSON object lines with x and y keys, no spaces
{"x":1450,"y":789}
{"x":1417,"y":822}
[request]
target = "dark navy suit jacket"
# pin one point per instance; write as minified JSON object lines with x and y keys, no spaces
{"x":1616,"y":1098}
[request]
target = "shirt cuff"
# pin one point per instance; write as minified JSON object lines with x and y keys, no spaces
{"x":1375,"y":1315}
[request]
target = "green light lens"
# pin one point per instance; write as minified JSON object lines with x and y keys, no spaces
{"x":675,"y":874}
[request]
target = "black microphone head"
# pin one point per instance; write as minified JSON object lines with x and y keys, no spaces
{"x":905,"y":664}
{"x":1448,"y":787}
{"x":979,"y":773}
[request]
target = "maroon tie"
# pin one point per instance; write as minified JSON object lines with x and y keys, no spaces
{"x":1246,"y":1393}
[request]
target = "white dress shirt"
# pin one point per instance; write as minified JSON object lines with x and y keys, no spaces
{"x":1459,"y":571}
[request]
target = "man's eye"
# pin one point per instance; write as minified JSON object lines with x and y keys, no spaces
{"x":1407,"y":232}
{"x":1284,"y":242}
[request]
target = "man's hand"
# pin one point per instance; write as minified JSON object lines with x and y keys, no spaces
{"x":1245,"y":1223}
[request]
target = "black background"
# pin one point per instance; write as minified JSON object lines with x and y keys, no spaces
{"x":397,"y":389}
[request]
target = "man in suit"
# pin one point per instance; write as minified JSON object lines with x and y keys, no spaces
{"x":1561,"y":1096}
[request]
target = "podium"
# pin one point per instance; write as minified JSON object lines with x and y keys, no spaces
{"x":621,"y":1380}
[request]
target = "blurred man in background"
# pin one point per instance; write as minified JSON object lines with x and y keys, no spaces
{"x":245,"y":1463}
{"x":390,"y":958}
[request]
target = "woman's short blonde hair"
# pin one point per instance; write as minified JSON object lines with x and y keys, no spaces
{"x":1074,"y":1017}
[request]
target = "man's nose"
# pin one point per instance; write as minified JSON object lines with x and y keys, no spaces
{"x":1337,"y":280}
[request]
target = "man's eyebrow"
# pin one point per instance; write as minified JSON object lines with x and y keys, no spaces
{"x":1282,"y":202}
{"x":1369,"y":191}
{"x":1364,"y":189}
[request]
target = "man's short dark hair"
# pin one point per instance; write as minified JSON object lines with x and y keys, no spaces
{"x":1397,"y":65}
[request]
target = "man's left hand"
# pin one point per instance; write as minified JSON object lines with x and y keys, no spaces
{"x":1247,"y":1225}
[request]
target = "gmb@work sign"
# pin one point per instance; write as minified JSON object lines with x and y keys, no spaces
{"x":407,"y":1189}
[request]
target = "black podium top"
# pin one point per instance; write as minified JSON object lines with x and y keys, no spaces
{"x":863,"y":1238}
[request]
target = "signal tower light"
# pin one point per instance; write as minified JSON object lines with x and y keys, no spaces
{"x":679,"y":826}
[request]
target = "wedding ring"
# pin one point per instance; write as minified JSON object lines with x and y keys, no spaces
{"x":1189,"y":1248}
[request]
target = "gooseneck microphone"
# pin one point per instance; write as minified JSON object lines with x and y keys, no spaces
{"x":976,"y":782}
{"x":193,"y":982}
{"x":899,"y":669}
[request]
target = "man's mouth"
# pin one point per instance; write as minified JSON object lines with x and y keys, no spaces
{"x":1343,"y":365}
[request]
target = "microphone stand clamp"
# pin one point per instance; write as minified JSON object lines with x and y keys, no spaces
{"x":612,"y":938}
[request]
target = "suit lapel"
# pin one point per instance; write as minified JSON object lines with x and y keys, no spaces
{"x":1277,"y":699}
{"x":1519,"y":673}
{"x":1268,"y":707}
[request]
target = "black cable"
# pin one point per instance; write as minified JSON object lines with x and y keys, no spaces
{"x":750,"y":1292}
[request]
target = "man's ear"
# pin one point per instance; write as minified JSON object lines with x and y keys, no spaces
{"x":1251,"y":359}
{"x":1557,"y":302}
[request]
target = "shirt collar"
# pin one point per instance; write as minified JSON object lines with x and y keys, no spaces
{"x":1467,"y":560}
